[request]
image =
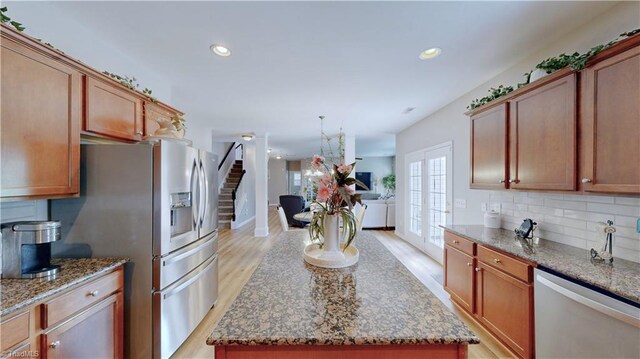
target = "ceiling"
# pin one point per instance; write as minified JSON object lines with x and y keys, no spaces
{"x":354,"y":62}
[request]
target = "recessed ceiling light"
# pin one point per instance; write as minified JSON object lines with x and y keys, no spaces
{"x":247,"y":137}
{"x":430,"y":53}
{"x":220,"y":50}
{"x":278,"y":157}
{"x":269,"y":151}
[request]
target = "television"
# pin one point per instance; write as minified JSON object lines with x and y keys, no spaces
{"x":364,"y":177}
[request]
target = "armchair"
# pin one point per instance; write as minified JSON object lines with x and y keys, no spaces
{"x":292,"y":204}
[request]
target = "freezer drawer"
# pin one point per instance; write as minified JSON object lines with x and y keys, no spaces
{"x":168,"y":269}
{"x":573,"y":321}
{"x":179,"y":308}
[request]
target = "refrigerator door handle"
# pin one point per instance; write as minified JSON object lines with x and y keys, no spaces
{"x":191,"y":280}
{"x":611,"y":312}
{"x":204,"y":192}
{"x":195,"y":205}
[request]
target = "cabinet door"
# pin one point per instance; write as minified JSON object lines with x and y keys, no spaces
{"x":94,"y":333}
{"x":505,"y":306}
{"x":610,"y":130}
{"x":458,"y":277}
{"x":489,"y":167}
{"x":543,"y":137}
{"x":40,"y":124}
{"x":112,"y":111}
{"x":152,"y":114}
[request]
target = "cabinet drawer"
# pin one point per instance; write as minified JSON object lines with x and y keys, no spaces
{"x":461,"y":244}
{"x":78,"y":299}
{"x":506,"y":264}
{"x":14,"y":331}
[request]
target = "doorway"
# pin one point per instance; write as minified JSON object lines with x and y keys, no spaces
{"x":429,"y":198}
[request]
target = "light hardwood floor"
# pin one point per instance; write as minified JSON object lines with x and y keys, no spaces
{"x":240,"y":253}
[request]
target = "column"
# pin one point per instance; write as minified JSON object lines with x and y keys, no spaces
{"x":262,"y":187}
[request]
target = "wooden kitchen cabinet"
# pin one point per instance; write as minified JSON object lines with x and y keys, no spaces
{"x":112,"y":111}
{"x":94,"y":333}
{"x":543,"y":137}
{"x":489,"y":141}
{"x":610,"y":131}
{"x":459,"y":277}
{"x":14,"y":331}
{"x":494,"y":288}
{"x":504,"y":305}
{"x":85,"y":321}
{"x":41,"y":107}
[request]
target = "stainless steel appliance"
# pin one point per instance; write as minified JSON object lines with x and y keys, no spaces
{"x":156,"y":204}
{"x":574,"y":321}
{"x":26,"y":249}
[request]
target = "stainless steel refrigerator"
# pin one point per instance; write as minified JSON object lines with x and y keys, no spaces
{"x":156,"y":204}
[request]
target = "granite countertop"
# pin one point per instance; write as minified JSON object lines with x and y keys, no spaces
{"x":19,"y":293}
{"x":622,"y":278}
{"x":377,"y":301}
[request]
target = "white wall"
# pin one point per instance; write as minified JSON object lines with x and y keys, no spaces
{"x":450,"y":123}
{"x":246,"y":197}
{"x":379,"y":167}
{"x":43,"y":20}
{"x":278,"y":180}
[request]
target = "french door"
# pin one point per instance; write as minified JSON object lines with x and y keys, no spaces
{"x":429,"y":198}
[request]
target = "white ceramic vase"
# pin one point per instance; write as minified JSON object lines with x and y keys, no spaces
{"x":331,"y":234}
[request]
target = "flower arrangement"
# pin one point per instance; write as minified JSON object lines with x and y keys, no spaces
{"x":334,"y":197}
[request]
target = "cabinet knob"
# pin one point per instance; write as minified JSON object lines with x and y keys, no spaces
{"x":501,"y":181}
{"x":514,"y":181}
{"x":93,"y":293}
{"x":55,"y":344}
{"x":496,"y":260}
{"x":468,"y":264}
{"x":455,"y":241}
{"x":586,"y":180}
{"x":478,"y":269}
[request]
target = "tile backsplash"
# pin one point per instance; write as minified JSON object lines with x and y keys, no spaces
{"x":571,"y":219}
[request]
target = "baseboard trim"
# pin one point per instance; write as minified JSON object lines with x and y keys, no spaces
{"x":236,"y":225}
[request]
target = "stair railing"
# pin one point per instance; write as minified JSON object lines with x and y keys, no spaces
{"x":226,"y":155}
{"x":233,"y":195}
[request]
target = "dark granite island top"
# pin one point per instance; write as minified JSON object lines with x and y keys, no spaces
{"x":622,"y":278}
{"x":20,"y":293}
{"x":288,"y":302}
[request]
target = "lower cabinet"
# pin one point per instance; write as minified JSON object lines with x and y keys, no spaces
{"x":458,"y":277}
{"x":99,"y":325}
{"x":66,"y":327}
{"x":494,"y":288}
{"x":504,"y":305}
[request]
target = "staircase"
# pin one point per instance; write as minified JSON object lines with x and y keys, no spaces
{"x":225,"y":202}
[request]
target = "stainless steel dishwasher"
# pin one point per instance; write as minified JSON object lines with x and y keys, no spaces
{"x":574,"y":321}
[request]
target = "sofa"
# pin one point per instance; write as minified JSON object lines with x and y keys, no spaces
{"x":380,"y":214}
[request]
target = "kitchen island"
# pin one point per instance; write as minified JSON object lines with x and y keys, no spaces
{"x":374,"y":309}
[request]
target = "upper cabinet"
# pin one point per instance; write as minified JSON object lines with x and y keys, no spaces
{"x":489,"y":148}
{"x":550,"y":145}
{"x":543,"y":137}
{"x":41,"y":108}
{"x":112,"y":111}
{"x":48,"y":100}
{"x":610,"y":130}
